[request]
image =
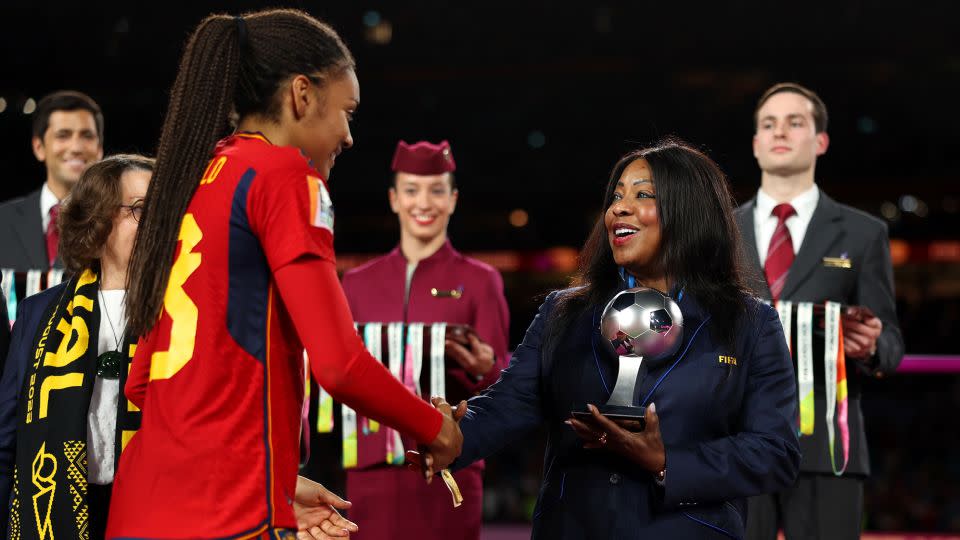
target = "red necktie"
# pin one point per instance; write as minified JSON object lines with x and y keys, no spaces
{"x":780,"y":253}
{"x":53,"y":234}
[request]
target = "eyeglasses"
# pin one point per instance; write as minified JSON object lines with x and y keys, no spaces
{"x":136,"y":210}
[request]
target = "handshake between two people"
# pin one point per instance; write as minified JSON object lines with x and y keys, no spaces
{"x":446,"y":447}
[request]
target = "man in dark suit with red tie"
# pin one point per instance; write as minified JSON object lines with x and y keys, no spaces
{"x":67,"y":138}
{"x":809,"y":248}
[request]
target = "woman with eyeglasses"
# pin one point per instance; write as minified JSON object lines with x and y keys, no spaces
{"x":63,"y":422}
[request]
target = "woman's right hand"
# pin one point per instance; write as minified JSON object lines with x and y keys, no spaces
{"x":446,"y":446}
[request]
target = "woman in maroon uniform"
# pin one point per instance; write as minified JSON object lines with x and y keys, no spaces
{"x":425,"y":280}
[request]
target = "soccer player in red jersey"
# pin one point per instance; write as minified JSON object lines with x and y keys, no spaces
{"x":218,"y":370}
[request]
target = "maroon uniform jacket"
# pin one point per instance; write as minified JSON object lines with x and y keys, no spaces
{"x":376,"y":291}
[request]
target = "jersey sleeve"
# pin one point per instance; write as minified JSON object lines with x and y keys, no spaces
{"x":291,"y":213}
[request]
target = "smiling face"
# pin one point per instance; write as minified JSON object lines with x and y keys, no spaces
{"x":786,"y":142}
{"x":324,"y":129}
{"x":68,"y":146}
{"x":423,"y":204}
{"x":633,"y":226}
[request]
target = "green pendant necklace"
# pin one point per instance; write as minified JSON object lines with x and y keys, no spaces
{"x":110,"y":363}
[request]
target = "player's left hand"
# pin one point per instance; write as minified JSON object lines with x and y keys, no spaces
{"x":860,"y":335}
{"x":478,"y":360}
{"x":424,"y":460}
{"x":315,"y":508}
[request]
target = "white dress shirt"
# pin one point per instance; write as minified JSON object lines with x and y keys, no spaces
{"x":102,"y":416}
{"x":47,"y":200}
{"x":765,"y":223}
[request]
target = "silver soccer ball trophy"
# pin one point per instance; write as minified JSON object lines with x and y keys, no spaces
{"x":638,"y":325}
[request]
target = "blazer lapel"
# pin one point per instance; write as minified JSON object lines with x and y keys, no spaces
{"x":29,"y":231}
{"x":693,"y":318}
{"x":751,"y":256}
{"x":824,"y":231}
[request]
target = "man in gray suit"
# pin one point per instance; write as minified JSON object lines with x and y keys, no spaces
{"x":67,"y":138}
{"x":804,"y":246}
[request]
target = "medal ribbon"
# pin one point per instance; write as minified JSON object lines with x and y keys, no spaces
{"x":395,"y":361}
{"x":324,"y":400}
{"x":373,"y":338}
{"x":835,"y":377}
{"x":438,"y":334}
{"x":10,"y":294}
{"x":805,"y":366}
{"x":348,"y":417}
{"x":33,"y":283}
{"x":785,"y":311}
{"x":54,"y":277}
{"x":414,"y":365}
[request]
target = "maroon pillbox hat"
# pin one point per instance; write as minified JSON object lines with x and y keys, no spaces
{"x":423,"y":158}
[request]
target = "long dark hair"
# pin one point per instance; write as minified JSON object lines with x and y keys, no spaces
{"x":699,"y":245}
{"x":231,"y":66}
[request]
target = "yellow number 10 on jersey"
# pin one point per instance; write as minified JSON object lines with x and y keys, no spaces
{"x":181,"y":309}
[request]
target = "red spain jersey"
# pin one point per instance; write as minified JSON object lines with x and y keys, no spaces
{"x":220,"y":376}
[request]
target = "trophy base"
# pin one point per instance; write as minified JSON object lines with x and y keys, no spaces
{"x":628,"y":417}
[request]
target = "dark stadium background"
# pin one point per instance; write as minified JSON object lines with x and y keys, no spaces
{"x":540,"y":98}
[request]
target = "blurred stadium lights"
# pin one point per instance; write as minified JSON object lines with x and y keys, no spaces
{"x":371,"y":18}
{"x":380,"y":33}
{"x":908,"y":203}
{"x":536,"y":139}
{"x":3,"y":104}
{"x":889,"y":211}
{"x":519,"y":218}
{"x":29,"y":106}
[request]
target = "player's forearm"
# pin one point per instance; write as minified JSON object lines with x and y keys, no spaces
{"x":372,"y":391}
{"x":338,"y":359}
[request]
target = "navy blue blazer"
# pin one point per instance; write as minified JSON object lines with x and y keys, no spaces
{"x":29,"y":313}
{"x":728,"y":428}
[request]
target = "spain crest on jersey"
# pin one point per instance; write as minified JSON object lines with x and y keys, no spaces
{"x":321,"y":206}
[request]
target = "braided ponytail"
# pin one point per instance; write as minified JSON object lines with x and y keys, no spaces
{"x":229,"y":67}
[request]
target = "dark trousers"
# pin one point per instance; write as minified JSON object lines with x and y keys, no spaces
{"x":817,"y":507}
{"x":98,"y":504}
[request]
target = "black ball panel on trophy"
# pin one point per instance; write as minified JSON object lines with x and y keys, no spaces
{"x":642,"y":322}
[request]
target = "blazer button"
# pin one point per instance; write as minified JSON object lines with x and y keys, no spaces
{"x":614,"y":478}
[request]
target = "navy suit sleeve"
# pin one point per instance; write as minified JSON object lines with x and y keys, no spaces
{"x":875,"y":290}
{"x":764,"y":455}
{"x":512,"y":406}
{"x":10,"y":384}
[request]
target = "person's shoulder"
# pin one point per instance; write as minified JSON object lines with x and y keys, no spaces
{"x":37,"y":303}
{"x":756,"y":305}
{"x":265,"y":158}
{"x":372,"y":266}
{"x":561,"y":294}
{"x":13,"y":206}
{"x":477,"y":267}
{"x":858,"y":217}
{"x":285,"y":161}
{"x":745,"y":207}
{"x":756,"y":311}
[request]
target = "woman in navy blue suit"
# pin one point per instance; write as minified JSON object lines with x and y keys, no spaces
{"x":721,"y":411}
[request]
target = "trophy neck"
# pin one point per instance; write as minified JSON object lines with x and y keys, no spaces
{"x":626,"y":381}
